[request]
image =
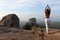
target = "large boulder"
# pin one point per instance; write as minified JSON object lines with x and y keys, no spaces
{"x":33,"y":21}
{"x":10,"y":20}
{"x":27,"y":26}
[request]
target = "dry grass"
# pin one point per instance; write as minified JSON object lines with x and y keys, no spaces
{"x":21,"y":34}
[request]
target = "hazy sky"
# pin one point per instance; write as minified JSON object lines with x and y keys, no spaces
{"x":26,"y":9}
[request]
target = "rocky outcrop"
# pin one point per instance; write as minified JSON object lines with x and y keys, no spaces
{"x":27,"y":26}
{"x":32,"y":22}
{"x":10,"y":20}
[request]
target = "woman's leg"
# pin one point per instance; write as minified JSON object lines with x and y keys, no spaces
{"x":46,"y":24}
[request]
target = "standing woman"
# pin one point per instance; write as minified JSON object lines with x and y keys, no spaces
{"x":47,"y":16}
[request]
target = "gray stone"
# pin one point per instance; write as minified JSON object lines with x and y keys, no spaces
{"x":10,"y":20}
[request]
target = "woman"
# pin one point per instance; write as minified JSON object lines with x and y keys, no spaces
{"x":47,"y":16}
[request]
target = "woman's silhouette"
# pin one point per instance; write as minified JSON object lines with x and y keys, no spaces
{"x":47,"y":16}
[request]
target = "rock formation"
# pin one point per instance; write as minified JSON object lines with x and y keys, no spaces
{"x":10,"y":20}
{"x":27,"y":26}
{"x":32,"y":22}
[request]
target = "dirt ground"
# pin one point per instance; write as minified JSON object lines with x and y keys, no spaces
{"x":8,"y":33}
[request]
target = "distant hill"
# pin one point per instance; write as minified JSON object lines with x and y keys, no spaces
{"x":55,"y":24}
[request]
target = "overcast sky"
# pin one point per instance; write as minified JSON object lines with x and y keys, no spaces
{"x":26,"y":9}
